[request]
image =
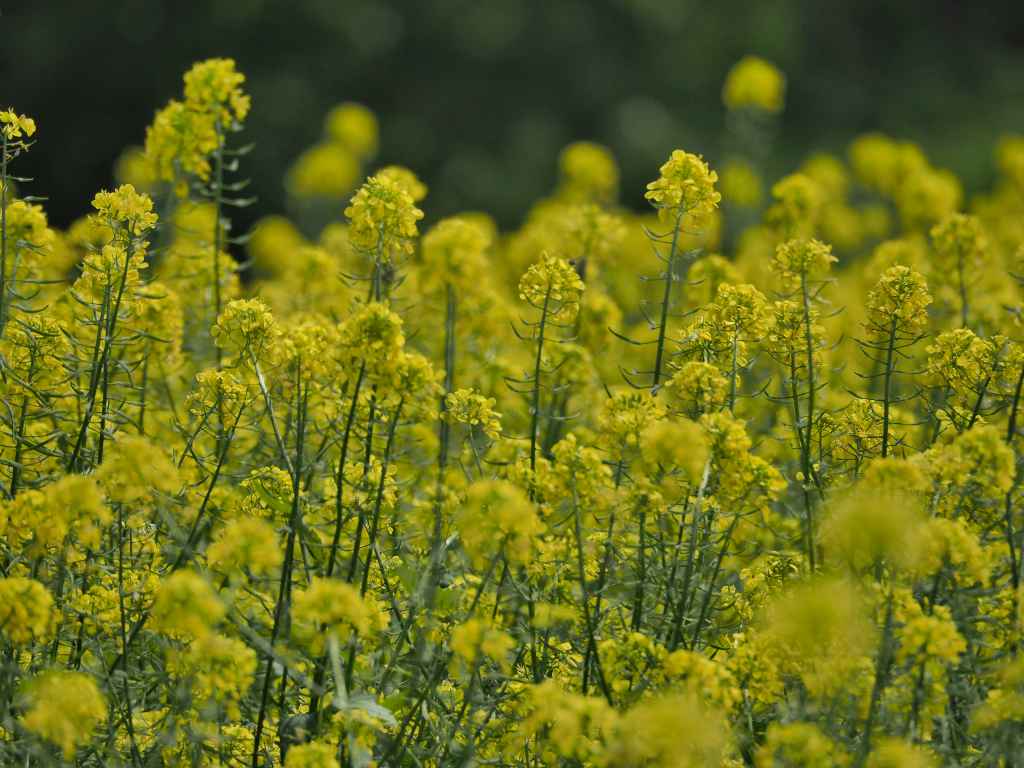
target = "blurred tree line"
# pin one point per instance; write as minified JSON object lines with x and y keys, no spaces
{"x":478,"y":96}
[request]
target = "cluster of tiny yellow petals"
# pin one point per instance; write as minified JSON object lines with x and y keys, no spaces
{"x":14,"y":126}
{"x":553,"y":286}
{"x":383,"y":216}
{"x":126,"y":208}
{"x":466,"y":406}
{"x":684,"y":190}
{"x":215,"y":86}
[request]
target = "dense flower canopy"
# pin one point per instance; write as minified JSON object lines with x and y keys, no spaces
{"x":729,"y":482}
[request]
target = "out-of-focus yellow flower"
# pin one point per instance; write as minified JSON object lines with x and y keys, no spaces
{"x":754,"y":82}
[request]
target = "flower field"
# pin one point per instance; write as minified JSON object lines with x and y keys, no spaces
{"x":730,"y":481}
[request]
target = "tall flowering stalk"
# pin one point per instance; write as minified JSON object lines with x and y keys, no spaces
{"x":684,"y":196}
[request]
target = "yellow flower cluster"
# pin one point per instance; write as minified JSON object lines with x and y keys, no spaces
{"x":701,"y":487}
{"x":754,"y":82}
{"x":685,"y":190}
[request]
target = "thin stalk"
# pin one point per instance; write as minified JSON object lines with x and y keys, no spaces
{"x":682,"y":603}
{"x":809,"y":429}
{"x":3,"y":234}
{"x":109,"y":323}
{"x":887,"y":387}
{"x":882,"y":665}
{"x":282,"y":605}
{"x":218,"y":194}
{"x":535,"y":403}
{"x":666,"y":299}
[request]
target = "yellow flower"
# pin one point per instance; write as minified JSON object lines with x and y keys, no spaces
{"x":673,"y":731}
{"x":799,"y":745}
{"x":685,"y":192}
{"x":465,"y":406}
{"x":135,"y":469}
{"x":552,"y":286}
{"x":64,"y":708}
{"x":754,"y":82}
{"x":895,"y":753}
{"x":354,"y":127}
{"x":324,"y":170}
{"x":15,"y":126}
{"x":802,"y":259}
{"x":475,"y":640}
{"x":215,"y":86}
{"x":312,"y":755}
{"x":26,"y":610}
{"x":125,"y":208}
{"x":383,"y":218}
{"x":741,"y":184}
{"x":588,"y":172}
{"x":179,"y":143}
{"x":332,"y":606}
{"x":405,"y":179}
{"x":497,"y":517}
{"x":797,"y":206}
{"x":454,"y":252}
{"x":248,"y":544}
{"x":246,"y":328}
{"x":186,"y":607}
{"x":898,"y":303}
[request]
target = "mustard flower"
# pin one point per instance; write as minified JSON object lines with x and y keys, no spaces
{"x":821,"y":630}
{"x":898,"y":304}
{"x":214,"y":86}
{"x":567,"y":724}
{"x":685,"y":191}
{"x":26,"y":610}
{"x":245,"y":544}
{"x":127,"y":209}
{"x":650,"y":734}
{"x":754,"y":82}
{"x":588,"y":171}
{"x":699,"y":387}
{"x":797,"y":206}
{"x":497,"y":517}
{"x":324,"y":170}
{"x":220,"y":671}
{"x":354,"y":127}
{"x":186,"y":607}
{"x":742,"y":184}
{"x":1010,"y":158}
{"x":246,"y":328}
{"x":927,"y":197}
{"x":312,"y":755}
{"x":333,"y":606}
{"x":134,"y":469}
{"x":895,"y":753}
{"x":179,"y":143}
{"x":552,"y":286}
{"x":454,"y":252}
{"x":883,"y":164}
{"x":405,"y":179}
{"x":64,"y":708}
{"x":466,"y":406}
{"x":799,"y":259}
{"x":14,"y":126}
{"x":476,"y":640}
{"x":219,"y":391}
{"x":383,"y":216}
{"x":799,"y":744}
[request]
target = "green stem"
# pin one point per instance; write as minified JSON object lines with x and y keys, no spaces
{"x":666,"y":299}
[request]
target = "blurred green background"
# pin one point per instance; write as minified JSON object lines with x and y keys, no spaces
{"x":478,"y":96}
